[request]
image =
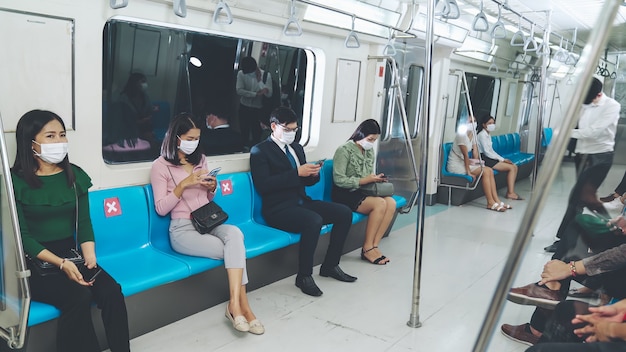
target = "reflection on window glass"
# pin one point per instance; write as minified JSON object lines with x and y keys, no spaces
{"x":151,"y":73}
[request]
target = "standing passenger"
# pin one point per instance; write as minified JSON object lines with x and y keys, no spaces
{"x":46,"y":188}
{"x":280,"y":172}
{"x":252,"y":87}
{"x":181,"y":185}
{"x":594,"y":150}
{"x":353,"y":166}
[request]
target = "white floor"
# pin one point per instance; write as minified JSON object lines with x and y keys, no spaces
{"x":464,"y":252}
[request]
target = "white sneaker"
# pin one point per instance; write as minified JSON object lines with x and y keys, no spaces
{"x":614,"y":207}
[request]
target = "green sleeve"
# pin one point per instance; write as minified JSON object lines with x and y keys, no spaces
{"x":85,"y":228}
{"x":31,"y":246}
{"x":341,"y":163}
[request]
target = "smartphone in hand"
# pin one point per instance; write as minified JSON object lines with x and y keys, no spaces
{"x":213,"y":173}
{"x":89,"y":275}
{"x":320,"y":162}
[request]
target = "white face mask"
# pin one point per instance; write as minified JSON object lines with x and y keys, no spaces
{"x":367,"y":145}
{"x":287,"y":137}
{"x":144,"y":86}
{"x":472,"y":126}
{"x":188,"y":147}
{"x":52,"y":153}
{"x":491,"y":127}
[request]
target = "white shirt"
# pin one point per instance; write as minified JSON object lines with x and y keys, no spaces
{"x":248,"y":85}
{"x":597,"y":126}
{"x":282,"y":145}
{"x":485,"y":146}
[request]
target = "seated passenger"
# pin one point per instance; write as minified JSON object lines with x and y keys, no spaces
{"x":47,"y":188}
{"x":136,"y":106}
{"x":181,"y":185}
{"x":217,"y":136}
{"x":127,"y":126}
{"x":280,"y":173}
{"x":459,"y":162}
{"x":605,"y":270}
{"x":353,"y":166}
{"x":602,"y":328}
{"x":492,"y":159}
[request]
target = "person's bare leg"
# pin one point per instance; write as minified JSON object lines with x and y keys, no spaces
{"x":234,"y":286}
{"x":374,"y":207}
{"x":245,"y":305}
{"x":511,"y":176}
{"x":390,"y":210}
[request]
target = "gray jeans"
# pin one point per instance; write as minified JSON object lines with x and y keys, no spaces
{"x":223,"y":242}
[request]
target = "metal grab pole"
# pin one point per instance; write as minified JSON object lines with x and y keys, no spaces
{"x":543,"y":98}
{"x":414,"y":320}
{"x":584,"y":71}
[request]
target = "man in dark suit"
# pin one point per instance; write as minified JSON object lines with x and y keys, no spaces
{"x":217,"y":136}
{"x":280,"y":173}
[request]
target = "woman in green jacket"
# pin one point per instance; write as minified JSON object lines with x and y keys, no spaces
{"x":49,"y":194}
{"x":353,"y":166}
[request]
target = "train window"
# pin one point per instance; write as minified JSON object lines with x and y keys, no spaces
{"x":484,"y":92}
{"x":153,"y":72}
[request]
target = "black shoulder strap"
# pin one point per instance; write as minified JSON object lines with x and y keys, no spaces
{"x":265,"y":77}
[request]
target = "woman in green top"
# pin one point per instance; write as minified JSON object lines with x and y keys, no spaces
{"x":46,"y":187}
{"x":353,"y":166}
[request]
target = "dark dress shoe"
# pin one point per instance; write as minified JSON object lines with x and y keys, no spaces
{"x":552,"y":248}
{"x":308,"y":286}
{"x":608,"y":198}
{"x":337,"y":274}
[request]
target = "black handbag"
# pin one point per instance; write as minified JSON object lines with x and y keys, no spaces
{"x":43,"y":268}
{"x":207,"y":217}
{"x":378,"y":189}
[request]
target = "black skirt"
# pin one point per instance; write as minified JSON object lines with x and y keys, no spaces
{"x":350,"y":198}
{"x":488,"y":161}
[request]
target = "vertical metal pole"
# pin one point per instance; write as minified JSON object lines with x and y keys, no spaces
{"x":414,"y":320}
{"x":583,"y":73}
{"x":543,"y":98}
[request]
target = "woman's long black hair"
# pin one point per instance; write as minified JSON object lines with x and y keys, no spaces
{"x":367,"y":127}
{"x":180,"y":125}
{"x":25,"y":165}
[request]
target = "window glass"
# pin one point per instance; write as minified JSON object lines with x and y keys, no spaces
{"x":151,"y":73}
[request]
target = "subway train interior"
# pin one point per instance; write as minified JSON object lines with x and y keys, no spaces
{"x":421,"y":68}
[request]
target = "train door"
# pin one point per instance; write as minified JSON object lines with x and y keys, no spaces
{"x":394,"y":156}
{"x":14,"y":289}
{"x":528,"y":112}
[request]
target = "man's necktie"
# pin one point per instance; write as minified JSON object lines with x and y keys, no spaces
{"x":290,"y":157}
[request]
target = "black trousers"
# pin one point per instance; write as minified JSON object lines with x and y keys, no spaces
{"x":579,"y":347}
{"x":75,"y":331}
{"x":559,"y":334}
{"x":249,"y":124}
{"x":593,"y":171}
{"x":612,"y":282}
{"x":307,"y":219}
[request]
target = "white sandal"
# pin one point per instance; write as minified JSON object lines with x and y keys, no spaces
{"x":506,"y":206}
{"x":497,"y":207}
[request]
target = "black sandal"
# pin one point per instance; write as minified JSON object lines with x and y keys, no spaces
{"x":375,"y":261}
